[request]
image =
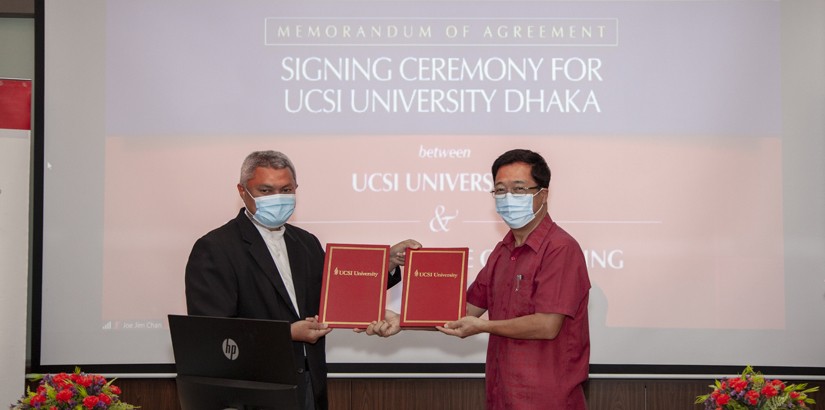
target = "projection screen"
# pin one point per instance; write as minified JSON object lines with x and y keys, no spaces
{"x":685,"y":140}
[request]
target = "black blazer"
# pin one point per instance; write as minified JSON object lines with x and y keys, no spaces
{"x":230,"y":273}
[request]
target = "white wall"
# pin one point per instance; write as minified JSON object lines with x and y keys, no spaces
{"x":17,"y":49}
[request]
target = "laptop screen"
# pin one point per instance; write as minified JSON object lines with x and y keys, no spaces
{"x":233,"y":348}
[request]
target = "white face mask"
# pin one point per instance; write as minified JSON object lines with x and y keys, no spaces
{"x":272,"y":211}
{"x":516,"y":209}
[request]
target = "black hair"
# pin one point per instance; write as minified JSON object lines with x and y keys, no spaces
{"x":538,"y":166}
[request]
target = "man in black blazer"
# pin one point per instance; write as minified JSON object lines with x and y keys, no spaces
{"x":257,"y":266}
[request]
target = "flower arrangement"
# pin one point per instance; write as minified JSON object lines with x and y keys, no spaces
{"x":75,"y":391}
{"x":752,"y":391}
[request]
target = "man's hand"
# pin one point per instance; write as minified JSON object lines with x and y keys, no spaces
{"x":466,"y":326}
{"x":385,"y":328}
{"x":309,"y":330}
{"x":544,"y":326}
{"x":398,"y":252}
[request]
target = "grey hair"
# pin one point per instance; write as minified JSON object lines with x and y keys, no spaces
{"x":265,"y":159}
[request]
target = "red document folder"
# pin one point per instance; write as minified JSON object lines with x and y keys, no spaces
{"x":354,"y":285}
{"x":435,"y":286}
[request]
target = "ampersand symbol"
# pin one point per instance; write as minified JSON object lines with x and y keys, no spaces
{"x":440,"y":221}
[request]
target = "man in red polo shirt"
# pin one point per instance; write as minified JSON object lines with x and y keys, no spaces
{"x":535,"y":290}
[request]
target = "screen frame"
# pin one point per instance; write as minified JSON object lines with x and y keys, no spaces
{"x":371,"y":369}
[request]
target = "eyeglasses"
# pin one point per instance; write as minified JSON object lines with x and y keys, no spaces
{"x":500,"y":192}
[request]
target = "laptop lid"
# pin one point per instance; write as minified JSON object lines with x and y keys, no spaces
{"x":233,"y":348}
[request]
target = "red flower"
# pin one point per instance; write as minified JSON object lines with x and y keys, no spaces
{"x":114,"y":389}
{"x":64,"y":395}
{"x":739,"y":385}
{"x":90,"y":401}
{"x":62,"y":380}
{"x":84,"y":381}
{"x":778,"y":384}
{"x":38,"y":398}
{"x":752,"y":396}
{"x":105,"y":399}
{"x":794,"y":395}
{"x":769,"y":390}
{"x":722,"y":399}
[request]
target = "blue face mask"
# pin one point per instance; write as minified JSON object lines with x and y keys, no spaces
{"x":516,"y":210}
{"x":272,"y":211}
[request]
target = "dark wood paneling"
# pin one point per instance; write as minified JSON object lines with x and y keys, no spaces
{"x":615,"y":394}
{"x":155,"y":394}
{"x":340,"y":394}
{"x":458,"y":394}
{"x":411,"y":394}
{"x":675,"y":394}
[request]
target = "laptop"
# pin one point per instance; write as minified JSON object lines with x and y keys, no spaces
{"x":246,"y":363}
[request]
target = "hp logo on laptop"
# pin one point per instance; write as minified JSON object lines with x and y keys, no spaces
{"x":230,"y":349}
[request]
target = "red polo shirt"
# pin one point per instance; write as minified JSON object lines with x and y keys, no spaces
{"x":547,"y":274}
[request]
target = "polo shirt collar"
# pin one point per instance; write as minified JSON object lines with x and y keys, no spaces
{"x":535,"y":238}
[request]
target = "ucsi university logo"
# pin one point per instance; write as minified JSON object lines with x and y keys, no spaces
{"x":422,"y":182}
